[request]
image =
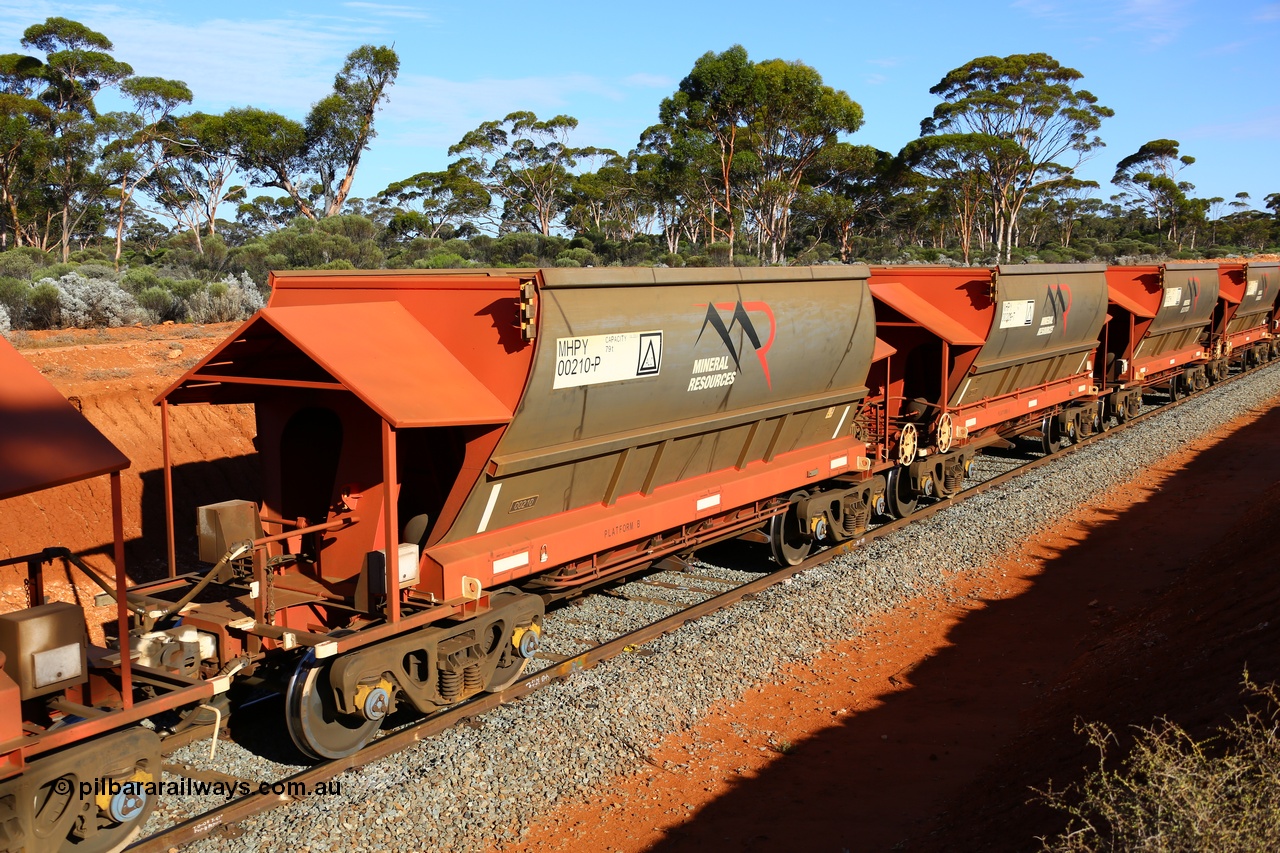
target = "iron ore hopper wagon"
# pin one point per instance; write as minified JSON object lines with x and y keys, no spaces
{"x":509,"y":438}
{"x":442,"y":454}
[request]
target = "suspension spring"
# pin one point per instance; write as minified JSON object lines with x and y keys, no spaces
{"x":450,"y":684}
{"x":471,"y":678}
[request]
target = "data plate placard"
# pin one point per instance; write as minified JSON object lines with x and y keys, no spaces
{"x":1017,"y":312}
{"x":593,"y":359}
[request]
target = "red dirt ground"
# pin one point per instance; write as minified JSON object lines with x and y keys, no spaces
{"x":114,"y":376}
{"x":929,"y":731}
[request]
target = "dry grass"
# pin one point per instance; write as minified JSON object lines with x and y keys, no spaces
{"x":1174,"y":793}
{"x":108,"y":373}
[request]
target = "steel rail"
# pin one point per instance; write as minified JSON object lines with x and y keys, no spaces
{"x":232,"y":812}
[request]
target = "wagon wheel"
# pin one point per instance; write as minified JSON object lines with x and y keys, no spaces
{"x":946,"y":432}
{"x":316,"y":726}
{"x":1051,"y":435}
{"x":92,"y":823}
{"x":506,"y":675}
{"x":788,"y":539}
{"x":908,"y":444}
{"x":899,"y":495}
{"x":1176,"y":391}
{"x":511,"y":659}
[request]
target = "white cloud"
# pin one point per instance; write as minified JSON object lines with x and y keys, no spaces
{"x":1269,"y":12}
{"x":390,"y":10}
{"x":649,"y":81}
{"x":1156,"y":22}
{"x":887,"y":62}
{"x":876,"y":80}
{"x":1159,"y":21}
{"x":440,"y":111}
{"x":283,"y":63}
{"x":1264,"y":124}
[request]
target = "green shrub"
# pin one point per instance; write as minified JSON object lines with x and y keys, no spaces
{"x":88,"y":256}
{"x":15,"y":264}
{"x":183,"y":289}
{"x":158,"y":305}
{"x":1174,"y":792}
{"x":458,"y":247}
{"x":138,"y":279}
{"x":38,"y":257}
{"x":99,"y":271}
{"x":43,"y":306}
{"x":441,"y":261}
{"x":580,"y":257}
{"x":14,"y":296}
{"x":56,"y":271}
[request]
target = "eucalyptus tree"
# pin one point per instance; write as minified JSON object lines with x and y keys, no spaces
{"x":76,"y":67}
{"x":957,"y":168}
{"x":324,"y":152}
{"x":340,"y":126}
{"x":195,"y":178}
{"x":671,"y":173}
{"x":1069,"y":201}
{"x":795,"y":119}
{"x":708,"y":115}
{"x":1045,"y":125}
{"x":853,"y":187}
{"x":527,"y":162}
{"x":749,"y":132}
{"x":20,"y":140}
{"x":429,"y":203}
{"x":139,"y":140}
{"x":1149,"y":178}
{"x":264,"y":214}
{"x":613,"y":199}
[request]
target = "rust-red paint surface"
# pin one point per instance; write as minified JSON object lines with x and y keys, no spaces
{"x":936,"y":314}
{"x":1135,"y":289}
{"x":44,"y":441}
{"x":369,"y":349}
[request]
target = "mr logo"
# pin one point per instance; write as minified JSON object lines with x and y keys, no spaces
{"x":1060,"y":303}
{"x":739,"y":317}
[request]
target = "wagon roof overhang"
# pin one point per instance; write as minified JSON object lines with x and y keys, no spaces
{"x":883,"y":350}
{"x":1128,"y":303}
{"x":911,"y":305}
{"x":375,"y":350}
{"x":44,"y":440}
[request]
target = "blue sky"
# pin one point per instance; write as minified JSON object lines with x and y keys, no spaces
{"x":1204,"y":73}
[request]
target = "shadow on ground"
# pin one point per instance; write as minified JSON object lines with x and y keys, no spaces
{"x":1155,"y":611}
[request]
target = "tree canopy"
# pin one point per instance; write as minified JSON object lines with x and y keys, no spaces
{"x":748,"y":161}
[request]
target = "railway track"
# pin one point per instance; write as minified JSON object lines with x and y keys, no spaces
{"x":574,"y":645}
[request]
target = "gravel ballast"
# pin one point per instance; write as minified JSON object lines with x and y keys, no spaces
{"x":474,"y":787}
